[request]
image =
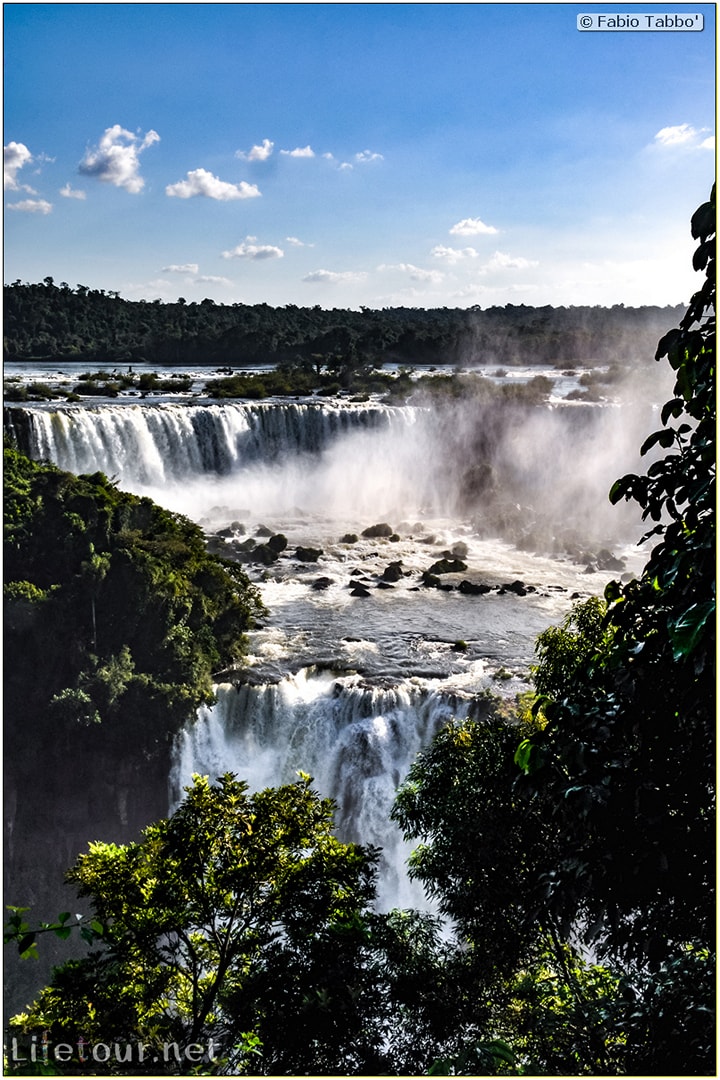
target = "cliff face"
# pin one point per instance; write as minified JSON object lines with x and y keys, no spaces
{"x":58,"y":797}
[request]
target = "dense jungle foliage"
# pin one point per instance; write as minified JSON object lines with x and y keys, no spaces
{"x":570,"y":845}
{"x":46,"y":321}
{"x":114,"y":611}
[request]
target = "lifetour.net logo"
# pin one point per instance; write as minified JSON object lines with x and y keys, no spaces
{"x":41,"y":1050}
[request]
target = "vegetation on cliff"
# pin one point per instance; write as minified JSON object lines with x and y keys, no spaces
{"x":114,"y":611}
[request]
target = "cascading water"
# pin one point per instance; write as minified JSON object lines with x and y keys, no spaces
{"x":404,"y":657}
{"x":356,"y":741}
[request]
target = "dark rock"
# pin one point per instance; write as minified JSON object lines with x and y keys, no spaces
{"x":349,"y":538}
{"x":607,"y":561}
{"x":383,"y":529}
{"x":262,"y":530}
{"x":589,"y":569}
{"x":448,"y":566}
{"x":517,"y":587}
{"x":360,"y":590}
{"x":394,"y":539}
{"x":246,"y":545}
{"x":428,"y":539}
{"x":460,"y":550}
{"x":384,"y":585}
{"x":264,"y":555}
{"x":308,"y":554}
{"x":469,"y":588}
{"x":237,"y":527}
{"x":278,"y":542}
{"x":431,"y":581}
{"x":392,"y":572}
{"x":224,"y":532}
{"x":322,"y":583}
{"x":353,"y":583}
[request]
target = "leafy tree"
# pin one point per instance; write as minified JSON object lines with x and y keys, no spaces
{"x":627,"y":752}
{"x":241,"y":926}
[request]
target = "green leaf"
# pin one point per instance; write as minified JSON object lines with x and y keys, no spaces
{"x":687,"y":630}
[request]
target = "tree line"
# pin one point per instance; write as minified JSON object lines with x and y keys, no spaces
{"x":568,"y":841}
{"x":51,"y":322}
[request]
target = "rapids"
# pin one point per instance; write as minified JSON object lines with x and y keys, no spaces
{"x":359,"y":662}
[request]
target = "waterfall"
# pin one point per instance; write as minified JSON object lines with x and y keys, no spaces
{"x":356,"y":741}
{"x":155,"y":444}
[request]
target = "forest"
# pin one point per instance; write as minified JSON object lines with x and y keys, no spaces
{"x":46,"y":321}
{"x":568,"y":839}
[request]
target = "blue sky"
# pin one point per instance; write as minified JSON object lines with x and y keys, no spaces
{"x":356,"y":154}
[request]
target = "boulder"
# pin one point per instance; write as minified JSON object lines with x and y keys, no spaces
{"x":263,"y":554}
{"x":517,"y":587}
{"x":383,"y":529}
{"x":349,"y":538}
{"x":392,"y":572}
{"x":308,"y":554}
{"x":360,"y":590}
{"x":278,"y":542}
{"x":262,"y":530}
{"x":460,"y":550}
{"x":448,"y":566}
{"x":322,"y":583}
{"x":469,"y":588}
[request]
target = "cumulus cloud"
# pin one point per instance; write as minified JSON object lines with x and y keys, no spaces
{"x":212,"y":279}
{"x":202,"y":182}
{"x":31,"y":206}
{"x":684,"y":135}
{"x":501,"y":261}
{"x":453,"y":255}
{"x":472,"y":227}
{"x":368,"y":155}
{"x":299,"y":152}
{"x":181,"y":268}
{"x":15,"y":156}
{"x":250,"y":249}
{"x":68,"y":192}
{"x":259,"y":152}
{"x":334,"y":277}
{"x":116,"y":158}
{"x":416,"y":273}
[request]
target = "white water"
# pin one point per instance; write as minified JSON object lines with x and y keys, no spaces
{"x":356,"y":741}
{"x":316,"y":472}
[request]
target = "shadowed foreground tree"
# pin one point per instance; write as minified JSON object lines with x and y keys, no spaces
{"x":239,"y":937}
{"x":619,"y":767}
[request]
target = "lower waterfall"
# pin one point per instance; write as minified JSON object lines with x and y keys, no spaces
{"x":356,"y":741}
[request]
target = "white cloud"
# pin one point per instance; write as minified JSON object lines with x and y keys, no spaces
{"x":182,"y":268}
{"x":299,"y":152}
{"x":368,"y":155}
{"x":212,"y":279}
{"x":31,"y":206}
{"x":345,"y":165}
{"x":202,"y":182}
{"x":684,"y":135}
{"x":333,"y":277}
{"x":249,"y":249}
{"x":472,"y":227}
{"x":453,"y":255}
{"x":15,"y":155}
{"x":501,"y":261}
{"x":116,"y":159}
{"x":72,"y":193}
{"x":294,"y":242}
{"x":416,"y":273}
{"x":259,"y":152}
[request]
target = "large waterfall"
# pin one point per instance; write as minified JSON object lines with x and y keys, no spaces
{"x":357,"y":741}
{"x":358,"y":662}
